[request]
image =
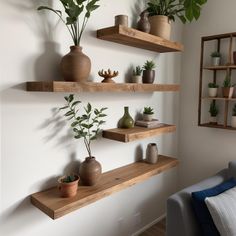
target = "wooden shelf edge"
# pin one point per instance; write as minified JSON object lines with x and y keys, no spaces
{"x":136,"y":133}
{"x":135,"y":38}
{"x":61,"y":86}
{"x":54,"y":206}
{"x":218,"y":126}
{"x":222,"y":67}
{"x":219,"y":98}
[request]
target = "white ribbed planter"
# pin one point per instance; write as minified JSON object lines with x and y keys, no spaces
{"x":137,"y":79}
{"x":212,"y":92}
{"x":215,"y":61}
{"x":147,"y":117}
{"x":213,"y":119}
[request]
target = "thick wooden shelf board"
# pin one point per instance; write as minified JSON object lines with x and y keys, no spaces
{"x":135,"y":38}
{"x":136,"y":133}
{"x":73,"y":87}
{"x":223,"y":67}
{"x":219,"y":98}
{"x":113,"y":181}
{"x":217,"y":126}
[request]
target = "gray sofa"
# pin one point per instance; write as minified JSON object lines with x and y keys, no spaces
{"x":180,"y":217}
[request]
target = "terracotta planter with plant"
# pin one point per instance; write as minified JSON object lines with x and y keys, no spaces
{"x":162,"y":12}
{"x":227,"y":89}
{"x":214,"y":111}
{"x":148,"y":72}
{"x":75,"y":66}
{"x":86,"y":126}
{"x":233,"y":119}
{"x":215,"y":58}
{"x":137,"y":75}
{"x":148,"y":114}
{"x":68,"y":185}
{"x":213,"y":90}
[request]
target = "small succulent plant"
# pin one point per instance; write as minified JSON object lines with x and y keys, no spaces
{"x":148,"y":111}
{"x":149,"y":65}
{"x":214,"y":111}
{"x":69,"y":178}
{"x":213,"y":85}
{"x":216,"y":54}
{"x":137,"y":71}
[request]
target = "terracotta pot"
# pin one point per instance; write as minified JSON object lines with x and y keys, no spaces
{"x":68,"y":189}
{"x":233,"y":121}
{"x":152,"y":153}
{"x":213,"y":120}
{"x":144,"y":24}
{"x":148,"y":76}
{"x":160,"y":26}
{"x":212,"y":92}
{"x":234,"y":57}
{"x":90,"y":171}
{"x":147,"y":117}
{"x":228,"y":92}
{"x":75,"y":66}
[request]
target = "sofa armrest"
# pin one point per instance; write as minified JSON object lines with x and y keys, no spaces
{"x":180,"y":218}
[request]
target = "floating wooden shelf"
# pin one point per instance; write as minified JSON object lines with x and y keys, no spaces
{"x":54,"y":206}
{"x":218,"y":126}
{"x":223,"y":67}
{"x":72,"y":87}
{"x":136,"y":133}
{"x":218,"y":98}
{"x":135,"y":38}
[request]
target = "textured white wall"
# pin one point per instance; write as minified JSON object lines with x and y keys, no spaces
{"x":35,"y":147}
{"x":203,"y":151}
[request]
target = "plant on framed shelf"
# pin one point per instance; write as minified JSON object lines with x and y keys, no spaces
{"x":216,"y":58}
{"x":214,"y":111}
{"x":75,"y":66}
{"x":228,"y":88}
{"x":213,"y":89}
{"x":233,"y":121}
{"x":86,"y":126}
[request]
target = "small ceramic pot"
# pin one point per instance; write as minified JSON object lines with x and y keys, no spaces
{"x":137,"y":79}
{"x":126,"y":122}
{"x":144,"y":24}
{"x":228,"y":92}
{"x":148,"y":76}
{"x":233,"y":121}
{"x":68,"y":189}
{"x":147,"y":117}
{"x":213,"y":120}
{"x":234,"y":57}
{"x":215,"y":61}
{"x":152,"y":153}
{"x":121,"y":20}
{"x":212,"y":92}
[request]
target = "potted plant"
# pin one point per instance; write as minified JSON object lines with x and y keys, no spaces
{"x":68,"y":185}
{"x":137,"y":75}
{"x":216,"y":57}
{"x":227,"y":89}
{"x":162,"y":12}
{"x":213,"y":89}
{"x":148,"y":72}
{"x":86,"y":126}
{"x":214,"y":111}
{"x":233,"y":121}
{"x":148,"y":114}
{"x":75,"y":66}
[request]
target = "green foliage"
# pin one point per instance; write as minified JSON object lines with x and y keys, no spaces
{"x":214,"y":111}
{"x":186,"y":10}
{"x":86,"y":125}
{"x":148,"y":111}
{"x":138,"y":71}
{"x":73,"y":10}
{"x":149,"y":65}
{"x":213,"y":85}
{"x":234,"y":110}
{"x":69,"y":178}
{"x":216,"y":54}
{"x":227,"y":82}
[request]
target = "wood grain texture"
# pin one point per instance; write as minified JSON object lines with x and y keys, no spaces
{"x":219,"y":36}
{"x":136,"y":133}
{"x":54,"y":206}
{"x":135,"y":38}
{"x":223,"y":67}
{"x":218,"y":126}
{"x":220,"y":99}
{"x":75,"y":87}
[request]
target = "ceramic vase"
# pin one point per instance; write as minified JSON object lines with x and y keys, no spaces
{"x":121,"y":20}
{"x":233,"y":121}
{"x":144,"y":24}
{"x":126,"y":122}
{"x":215,"y":61}
{"x":152,"y":153}
{"x":212,"y":92}
{"x":68,"y":189}
{"x":148,"y":76}
{"x":90,"y":171}
{"x":75,"y":66}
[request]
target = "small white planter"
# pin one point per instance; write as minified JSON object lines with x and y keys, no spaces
{"x":137,"y":79}
{"x":215,"y":61}
{"x":213,"y":120}
{"x":212,"y":92}
{"x":233,"y":121}
{"x":147,"y":117}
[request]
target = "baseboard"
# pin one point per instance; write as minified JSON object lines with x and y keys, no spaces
{"x":149,"y":225}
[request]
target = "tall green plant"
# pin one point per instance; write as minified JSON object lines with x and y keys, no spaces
{"x":186,"y":10}
{"x":73,"y":10}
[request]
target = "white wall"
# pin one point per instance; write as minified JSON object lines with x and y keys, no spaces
{"x":203,"y":151}
{"x":35,"y":146}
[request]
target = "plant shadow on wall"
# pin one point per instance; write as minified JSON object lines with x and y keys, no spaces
{"x":45,"y":65}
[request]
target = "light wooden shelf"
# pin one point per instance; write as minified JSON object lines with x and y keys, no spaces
{"x":135,"y":38}
{"x":219,"y":98}
{"x":72,"y":87}
{"x":54,"y":206}
{"x":136,"y":133}
{"x":218,"y":126}
{"x":223,"y":67}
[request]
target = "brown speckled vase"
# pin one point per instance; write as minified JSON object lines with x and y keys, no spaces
{"x":75,"y":65}
{"x":90,"y":171}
